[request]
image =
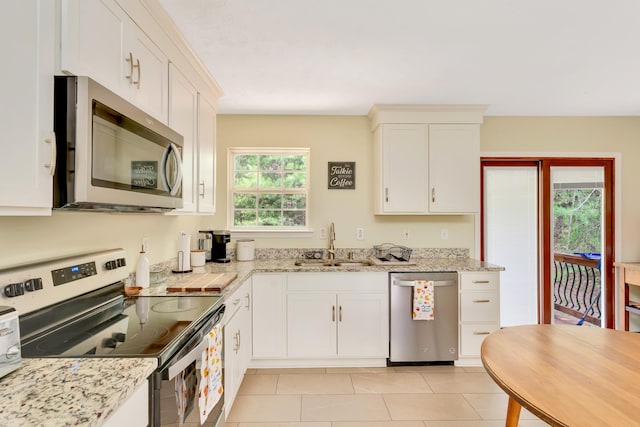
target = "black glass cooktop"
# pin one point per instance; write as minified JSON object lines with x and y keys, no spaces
{"x":118,"y":327}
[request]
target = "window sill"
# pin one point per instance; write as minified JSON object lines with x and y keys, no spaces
{"x":271,"y":234}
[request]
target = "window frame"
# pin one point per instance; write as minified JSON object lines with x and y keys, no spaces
{"x":272,"y":231}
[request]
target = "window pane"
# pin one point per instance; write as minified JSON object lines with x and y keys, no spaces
{"x":294,"y":218}
{"x":244,"y":201}
{"x":246,"y":162}
{"x":297,"y":163}
{"x":244,"y":217}
{"x":246,"y":180}
{"x":271,"y":163}
{"x":270,"y":218}
{"x":270,"y":180}
{"x":294,"y":201}
{"x":295,"y":180}
{"x":270,"y":201}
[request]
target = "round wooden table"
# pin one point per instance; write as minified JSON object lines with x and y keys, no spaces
{"x":567,"y":375}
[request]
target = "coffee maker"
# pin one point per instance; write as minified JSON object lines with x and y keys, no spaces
{"x":219,"y":246}
{"x":205,"y":243}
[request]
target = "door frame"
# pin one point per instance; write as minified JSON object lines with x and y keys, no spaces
{"x":612,"y":228}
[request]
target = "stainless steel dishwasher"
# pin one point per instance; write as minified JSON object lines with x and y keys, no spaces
{"x":415,"y":341}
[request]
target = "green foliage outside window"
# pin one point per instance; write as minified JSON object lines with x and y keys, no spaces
{"x":577,"y":220}
{"x":270,"y":189}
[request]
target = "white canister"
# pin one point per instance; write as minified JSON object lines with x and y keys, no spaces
{"x":245,"y":250}
{"x":198,"y":258}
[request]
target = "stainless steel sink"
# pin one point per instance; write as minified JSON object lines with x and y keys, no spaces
{"x":332,"y":263}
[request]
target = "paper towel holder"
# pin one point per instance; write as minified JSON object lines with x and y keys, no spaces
{"x":181,"y":258}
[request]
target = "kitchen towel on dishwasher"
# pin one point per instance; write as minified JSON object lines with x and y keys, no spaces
{"x":423,"y":300}
{"x":210,"y":389}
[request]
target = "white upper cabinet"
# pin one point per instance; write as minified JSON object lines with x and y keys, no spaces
{"x":183,"y":118}
{"x":99,"y":40}
{"x":28,"y":145}
{"x":428,"y":159}
{"x":194,"y":117}
{"x":206,"y":156}
{"x":454,"y":168}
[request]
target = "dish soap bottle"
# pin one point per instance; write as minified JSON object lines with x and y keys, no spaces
{"x":142,"y":269}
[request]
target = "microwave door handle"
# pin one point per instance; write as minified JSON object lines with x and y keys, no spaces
{"x":175,"y":186}
{"x":187,"y":360}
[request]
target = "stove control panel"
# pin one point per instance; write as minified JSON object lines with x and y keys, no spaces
{"x":75,"y":272}
{"x":30,"y":287}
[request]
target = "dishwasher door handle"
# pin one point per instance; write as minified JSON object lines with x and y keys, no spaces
{"x":412,"y":283}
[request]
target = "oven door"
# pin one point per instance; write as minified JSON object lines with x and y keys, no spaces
{"x":186,"y":365}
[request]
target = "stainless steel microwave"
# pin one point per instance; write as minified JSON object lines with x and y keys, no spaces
{"x":112,"y":156}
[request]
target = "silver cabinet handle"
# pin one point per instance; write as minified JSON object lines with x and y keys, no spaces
{"x":239,"y":342}
{"x":139,"y":73}
{"x":433,"y":195}
{"x":54,"y":154}
{"x":333,"y":313}
{"x":340,"y":314}
{"x":248,"y":297}
{"x":480,"y":282}
{"x":412,"y":283}
{"x":130,"y":61}
{"x":386,"y":194}
{"x":202,"y":190}
{"x":481,"y":333}
{"x":481,"y":300}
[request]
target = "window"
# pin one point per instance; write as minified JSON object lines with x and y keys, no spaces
{"x":268,"y":189}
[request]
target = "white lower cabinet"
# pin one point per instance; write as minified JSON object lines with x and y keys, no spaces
{"x":268,"y":320}
{"x":134,"y":411}
{"x":479,"y":312}
{"x":320,"y":319}
{"x":337,"y":315}
{"x":236,"y":341}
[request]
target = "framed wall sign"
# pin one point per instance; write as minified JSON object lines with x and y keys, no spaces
{"x":342,"y":176}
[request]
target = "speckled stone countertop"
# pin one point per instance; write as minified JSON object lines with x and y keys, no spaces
{"x":283,"y":261}
{"x":69,"y":392}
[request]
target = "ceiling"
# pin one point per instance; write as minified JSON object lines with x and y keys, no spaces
{"x":520,"y":57}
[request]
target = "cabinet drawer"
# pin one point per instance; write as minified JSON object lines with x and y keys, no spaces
{"x":479,"y":307}
{"x":479,"y":281}
{"x":472,"y":335}
{"x":632,"y":277}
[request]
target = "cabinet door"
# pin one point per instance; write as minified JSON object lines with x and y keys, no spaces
{"x":27,"y":107}
{"x":149,"y":87}
{"x":454,"y":168}
{"x":363,"y":325}
{"x":311,"y":325}
{"x":232,"y":360}
{"x":183,"y":104}
{"x":93,"y":34}
{"x":207,"y":156}
{"x":268,"y":311}
{"x":404,"y":171}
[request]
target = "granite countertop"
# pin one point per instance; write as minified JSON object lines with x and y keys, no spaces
{"x":245,"y":269}
{"x":64,"y":392}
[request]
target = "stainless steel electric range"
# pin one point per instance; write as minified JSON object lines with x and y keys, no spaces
{"x":76,"y":307}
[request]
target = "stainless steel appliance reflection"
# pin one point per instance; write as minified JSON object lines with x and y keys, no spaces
{"x":79,"y":309}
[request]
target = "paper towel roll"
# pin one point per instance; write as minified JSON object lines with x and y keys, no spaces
{"x":184,"y":252}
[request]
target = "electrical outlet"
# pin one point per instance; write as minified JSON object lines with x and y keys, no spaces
{"x":323,"y":233}
{"x":405,"y":234}
{"x":359,"y":233}
{"x":444,"y":234}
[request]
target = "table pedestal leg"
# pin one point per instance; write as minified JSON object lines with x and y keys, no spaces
{"x":513,"y":413}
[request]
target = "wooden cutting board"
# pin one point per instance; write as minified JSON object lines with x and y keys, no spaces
{"x":209,"y":282}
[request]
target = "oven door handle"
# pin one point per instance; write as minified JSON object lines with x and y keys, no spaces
{"x":189,"y":358}
{"x":412,"y":283}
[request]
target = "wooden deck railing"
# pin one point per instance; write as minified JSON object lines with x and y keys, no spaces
{"x":576,"y":288}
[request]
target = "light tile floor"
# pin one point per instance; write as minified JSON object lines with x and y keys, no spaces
{"x":406,"y":396}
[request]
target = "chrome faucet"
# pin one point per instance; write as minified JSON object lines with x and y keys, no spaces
{"x":332,"y":237}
